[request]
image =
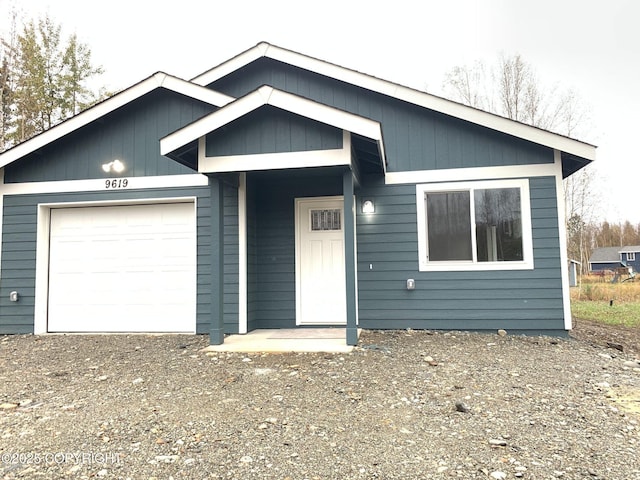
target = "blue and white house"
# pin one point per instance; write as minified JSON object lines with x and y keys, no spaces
{"x":610,"y":258}
{"x":278,"y":190}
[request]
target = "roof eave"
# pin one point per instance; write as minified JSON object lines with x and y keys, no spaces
{"x":556,"y":141}
{"x":157,"y":80}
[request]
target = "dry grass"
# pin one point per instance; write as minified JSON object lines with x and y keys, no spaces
{"x":596,"y":289}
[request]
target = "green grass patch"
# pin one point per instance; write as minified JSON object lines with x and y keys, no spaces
{"x":619,"y":313}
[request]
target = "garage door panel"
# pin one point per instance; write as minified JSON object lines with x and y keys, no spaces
{"x":123,"y":269}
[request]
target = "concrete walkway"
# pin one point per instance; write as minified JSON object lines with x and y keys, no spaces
{"x":329,"y":340}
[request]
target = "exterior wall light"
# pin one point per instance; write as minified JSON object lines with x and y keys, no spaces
{"x":115,"y":166}
{"x":368,"y":206}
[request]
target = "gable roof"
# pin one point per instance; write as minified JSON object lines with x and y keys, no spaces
{"x":629,"y":249}
{"x":158,"y":80}
{"x":577,"y":151}
{"x":289,"y":102}
{"x":605,"y":255}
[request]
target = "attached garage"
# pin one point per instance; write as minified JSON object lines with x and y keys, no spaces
{"x":122,"y":268}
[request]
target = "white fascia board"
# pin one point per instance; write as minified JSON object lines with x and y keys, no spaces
{"x":231,"y":65}
{"x":324,"y":114}
{"x":157,"y":80}
{"x":473,"y":173}
{"x":211,"y":122}
{"x":416,"y":97}
{"x":196,"y":92}
{"x":266,"y":95}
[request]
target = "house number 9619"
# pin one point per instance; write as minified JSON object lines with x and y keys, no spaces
{"x":116,"y":183}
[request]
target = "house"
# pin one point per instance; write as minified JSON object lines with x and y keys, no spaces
{"x":610,"y":258}
{"x":279,"y":190}
{"x":630,"y":257}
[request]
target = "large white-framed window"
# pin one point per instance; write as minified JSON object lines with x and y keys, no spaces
{"x":631,"y":256}
{"x":483,"y":225}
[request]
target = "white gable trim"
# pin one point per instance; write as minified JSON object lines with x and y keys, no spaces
{"x":270,"y":96}
{"x":400,"y":92}
{"x":159,"y":80}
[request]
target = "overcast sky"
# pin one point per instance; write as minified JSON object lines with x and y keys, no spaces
{"x":591,"y":46}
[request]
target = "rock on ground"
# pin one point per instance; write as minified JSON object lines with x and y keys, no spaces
{"x":158,"y":407}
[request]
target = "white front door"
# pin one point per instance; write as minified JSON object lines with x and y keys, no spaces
{"x":320,"y":266}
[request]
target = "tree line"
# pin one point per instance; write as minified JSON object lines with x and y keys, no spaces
{"x":44,"y":78}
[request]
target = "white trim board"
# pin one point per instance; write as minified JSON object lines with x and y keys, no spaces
{"x":416,"y":97}
{"x":274,"y":161}
{"x":158,"y":80}
{"x":562,"y":238}
{"x":99,"y":184}
{"x":470,"y":174}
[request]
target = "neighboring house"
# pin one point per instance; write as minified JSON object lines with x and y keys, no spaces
{"x":609,"y":258}
{"x":605,"y":258}
{"x":630,"y":257}
{"x":278,"y":190}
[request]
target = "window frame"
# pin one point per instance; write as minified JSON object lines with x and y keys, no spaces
{"x":425,"y":265}
{"x":631,"y":256}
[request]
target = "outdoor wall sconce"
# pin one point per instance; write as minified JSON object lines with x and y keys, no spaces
{"x":14,"y":296}
{"x":115,"y":166}
{"x":368,"y":206}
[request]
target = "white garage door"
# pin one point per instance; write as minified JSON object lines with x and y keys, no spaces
{"x":123,"y":269}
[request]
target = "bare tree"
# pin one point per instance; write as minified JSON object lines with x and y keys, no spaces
{"x":512,"y":89}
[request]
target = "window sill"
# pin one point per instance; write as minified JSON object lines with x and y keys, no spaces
{"x":471,"y":267}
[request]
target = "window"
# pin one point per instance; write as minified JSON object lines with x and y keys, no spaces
{"x":474,"y":225}
{"x":325,"y":219}
{"x":631,"y":256}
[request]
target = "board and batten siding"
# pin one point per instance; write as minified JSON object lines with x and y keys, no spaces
{"x":523,"y":300}
{"x":130,"y":134}
{"x":415,"y":138}
{"x":19,"y":251}
{"x":271,"y":240}
{"x":272,"y":130}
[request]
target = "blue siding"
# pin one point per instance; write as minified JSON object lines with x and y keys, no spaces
{"x":388,"y":255}
{"x":635,"y":264}
{"x":271,"y":241}
{"x":596,"y":267}
{"x":271,"y":130}
{"x":19,"y":252}
{"x":415,"y":138}
{"x":131,"y":134}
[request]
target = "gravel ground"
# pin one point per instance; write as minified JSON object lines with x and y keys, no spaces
{"x":403,"y":405}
